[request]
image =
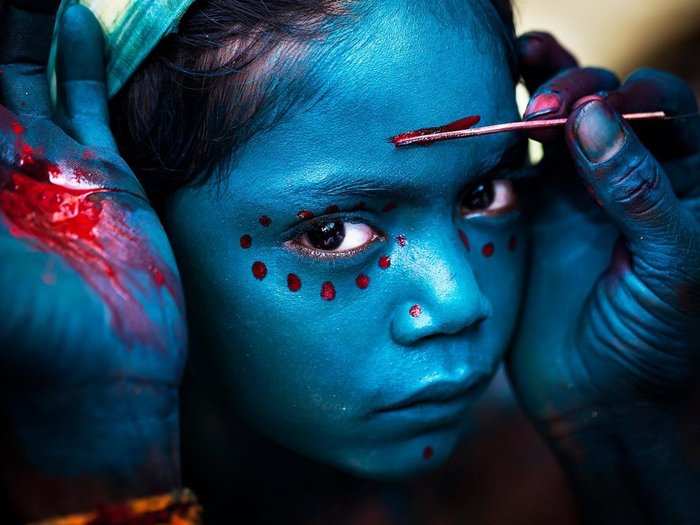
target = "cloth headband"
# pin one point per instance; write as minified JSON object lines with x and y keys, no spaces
{"x":132,"y":29}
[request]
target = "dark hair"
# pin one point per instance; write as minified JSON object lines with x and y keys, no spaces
{"x":185,"y":109}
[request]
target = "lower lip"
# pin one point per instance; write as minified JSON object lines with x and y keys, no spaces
{"x":435,"y":414}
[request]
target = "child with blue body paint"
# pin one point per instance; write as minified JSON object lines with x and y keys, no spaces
{"x":340,"y":302}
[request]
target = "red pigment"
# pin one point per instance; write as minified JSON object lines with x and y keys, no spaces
{"x":427,"y":453}
{"x":259,"y":270}
{"x":17,"y":128}
{"x":384,"y":262}
{"x":401,"y":240}
{"x":488,"y":249}
{"x":305,"y":215}
{"x":332,"y":209}
{"x":362,"y":281}
{"x":89,"y":230}
{"x":327,"y":291}
{"x":457,"y":125}
{"x":465,"y":240}
{"x":265,"y":220}
{"x":390,"y":206}
{"x":293,"y":283}
{"x":246,"y":241}
{"x":512,"y":243}
{"x":415,"y":310}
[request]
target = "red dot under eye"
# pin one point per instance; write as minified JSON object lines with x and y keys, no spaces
{"x":327,"y":291}
{"x":384,"y":262}
{"x":293,"y":282}
{"x":246,"y":241}
{"x":265,"y":220}
{"x":259,"y":270}
{"x":362,"y":281}
{"x":488,"y":249}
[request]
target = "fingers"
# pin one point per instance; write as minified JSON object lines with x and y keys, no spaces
{"x":80,"y":79}
{"x":541,"y":57}
{"x":25,"y":40}
{"x":630,"y":185}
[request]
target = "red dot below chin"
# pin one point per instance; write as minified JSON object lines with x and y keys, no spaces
{"x":327,"y":291}
{"x":362,"y":281}
{"x":293,"y":283}
{"x":259,"y":270}
{"x":384,"y":262}
{"x":488,"y":249}
{"x":427,"y":453}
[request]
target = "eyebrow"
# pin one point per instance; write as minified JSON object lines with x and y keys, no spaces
{"x":514,"y":156}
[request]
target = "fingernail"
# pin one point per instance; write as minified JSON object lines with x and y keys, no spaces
{"x":585,"y":100}
{"x":598,"y":132}
{"x":543,"y":104}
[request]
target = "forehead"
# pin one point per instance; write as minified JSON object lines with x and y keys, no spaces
{"x":398,"y":66}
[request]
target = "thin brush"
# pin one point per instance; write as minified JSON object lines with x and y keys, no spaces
{"x":429,"y":135}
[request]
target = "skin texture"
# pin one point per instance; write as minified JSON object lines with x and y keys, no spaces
{"x":312,"y":369}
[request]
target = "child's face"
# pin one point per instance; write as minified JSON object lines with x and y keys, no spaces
{"x":351,"y":299}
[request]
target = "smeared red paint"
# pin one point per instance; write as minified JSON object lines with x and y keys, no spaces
{"x":513,"y":243}
{"x":17,"y":128}
{"x":488,"y":249}
{"x":327,"y":291}
{"x":401,"y":240}
{"x":265,"y":221}
{"x":305,"y":215}
{"x":246,"y":241}
{"x":362,"y":281}
{"x":427,"y":453}
{"x":384,"y":262}
{"x":457,"y":125}
{"x":332,"y":209}
{"x":465,"y":240}
{"x":259,"y":270}
{"x":415,"y":310}
{"x":88,"y":154}
{"x":390,"y":206}
{"x":88,"y":228}
{"x":293,"y":283}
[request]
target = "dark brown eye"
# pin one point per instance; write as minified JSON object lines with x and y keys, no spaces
{"x":494,"y":197}
{"x":327,"y":236}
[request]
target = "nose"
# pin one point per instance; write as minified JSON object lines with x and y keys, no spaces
{"x":443,"y":296}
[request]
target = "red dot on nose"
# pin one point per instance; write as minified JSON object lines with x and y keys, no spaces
{"x":488,"y":249}
{"x":246,"y":241}
{"x":427,"y":453}
{"x":293,"y":282}
{"x":362,"y":281}
{"x":384,"y":262}
{"x":327,"y":291}
{"x":259,"y":270}
{"x":265,"y":220}
{"x":415,"y":310}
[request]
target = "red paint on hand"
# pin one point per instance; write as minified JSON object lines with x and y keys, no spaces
{"x":362,"y":281}
{"x":327,"y":291}
{"x":293,"y":283}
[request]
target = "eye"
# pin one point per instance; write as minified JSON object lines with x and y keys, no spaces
{"x":492,"y":197}
{"x":335,"y":238}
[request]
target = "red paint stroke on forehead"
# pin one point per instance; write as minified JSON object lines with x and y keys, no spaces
{"x":259,"y":270}
{"x":401,"y":240}
{"x":362,"y":281}
{"x":384,"y":262}
{"x":327,"y":291}
{"x":488,"y":249}
{"x":457,"y":125}
{"x":305,"y":215}
{"x":427,"y":453}
{"x":246,"y":241}
{"x":265,"y":220}
{"x":90,"y":231}
{"x":415,"y":310}
{"x":293,"y":282}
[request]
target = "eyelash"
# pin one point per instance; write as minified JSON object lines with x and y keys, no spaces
{"x":295,"y":243}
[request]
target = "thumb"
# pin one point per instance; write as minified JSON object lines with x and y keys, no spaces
{"x":80,"y":79}
{"x":629,"y":184}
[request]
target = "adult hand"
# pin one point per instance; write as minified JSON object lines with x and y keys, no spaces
{"x":92,"y":323}
{"x":606,"y":357}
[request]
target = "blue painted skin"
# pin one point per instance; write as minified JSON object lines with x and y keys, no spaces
{"x":313,"y":374}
